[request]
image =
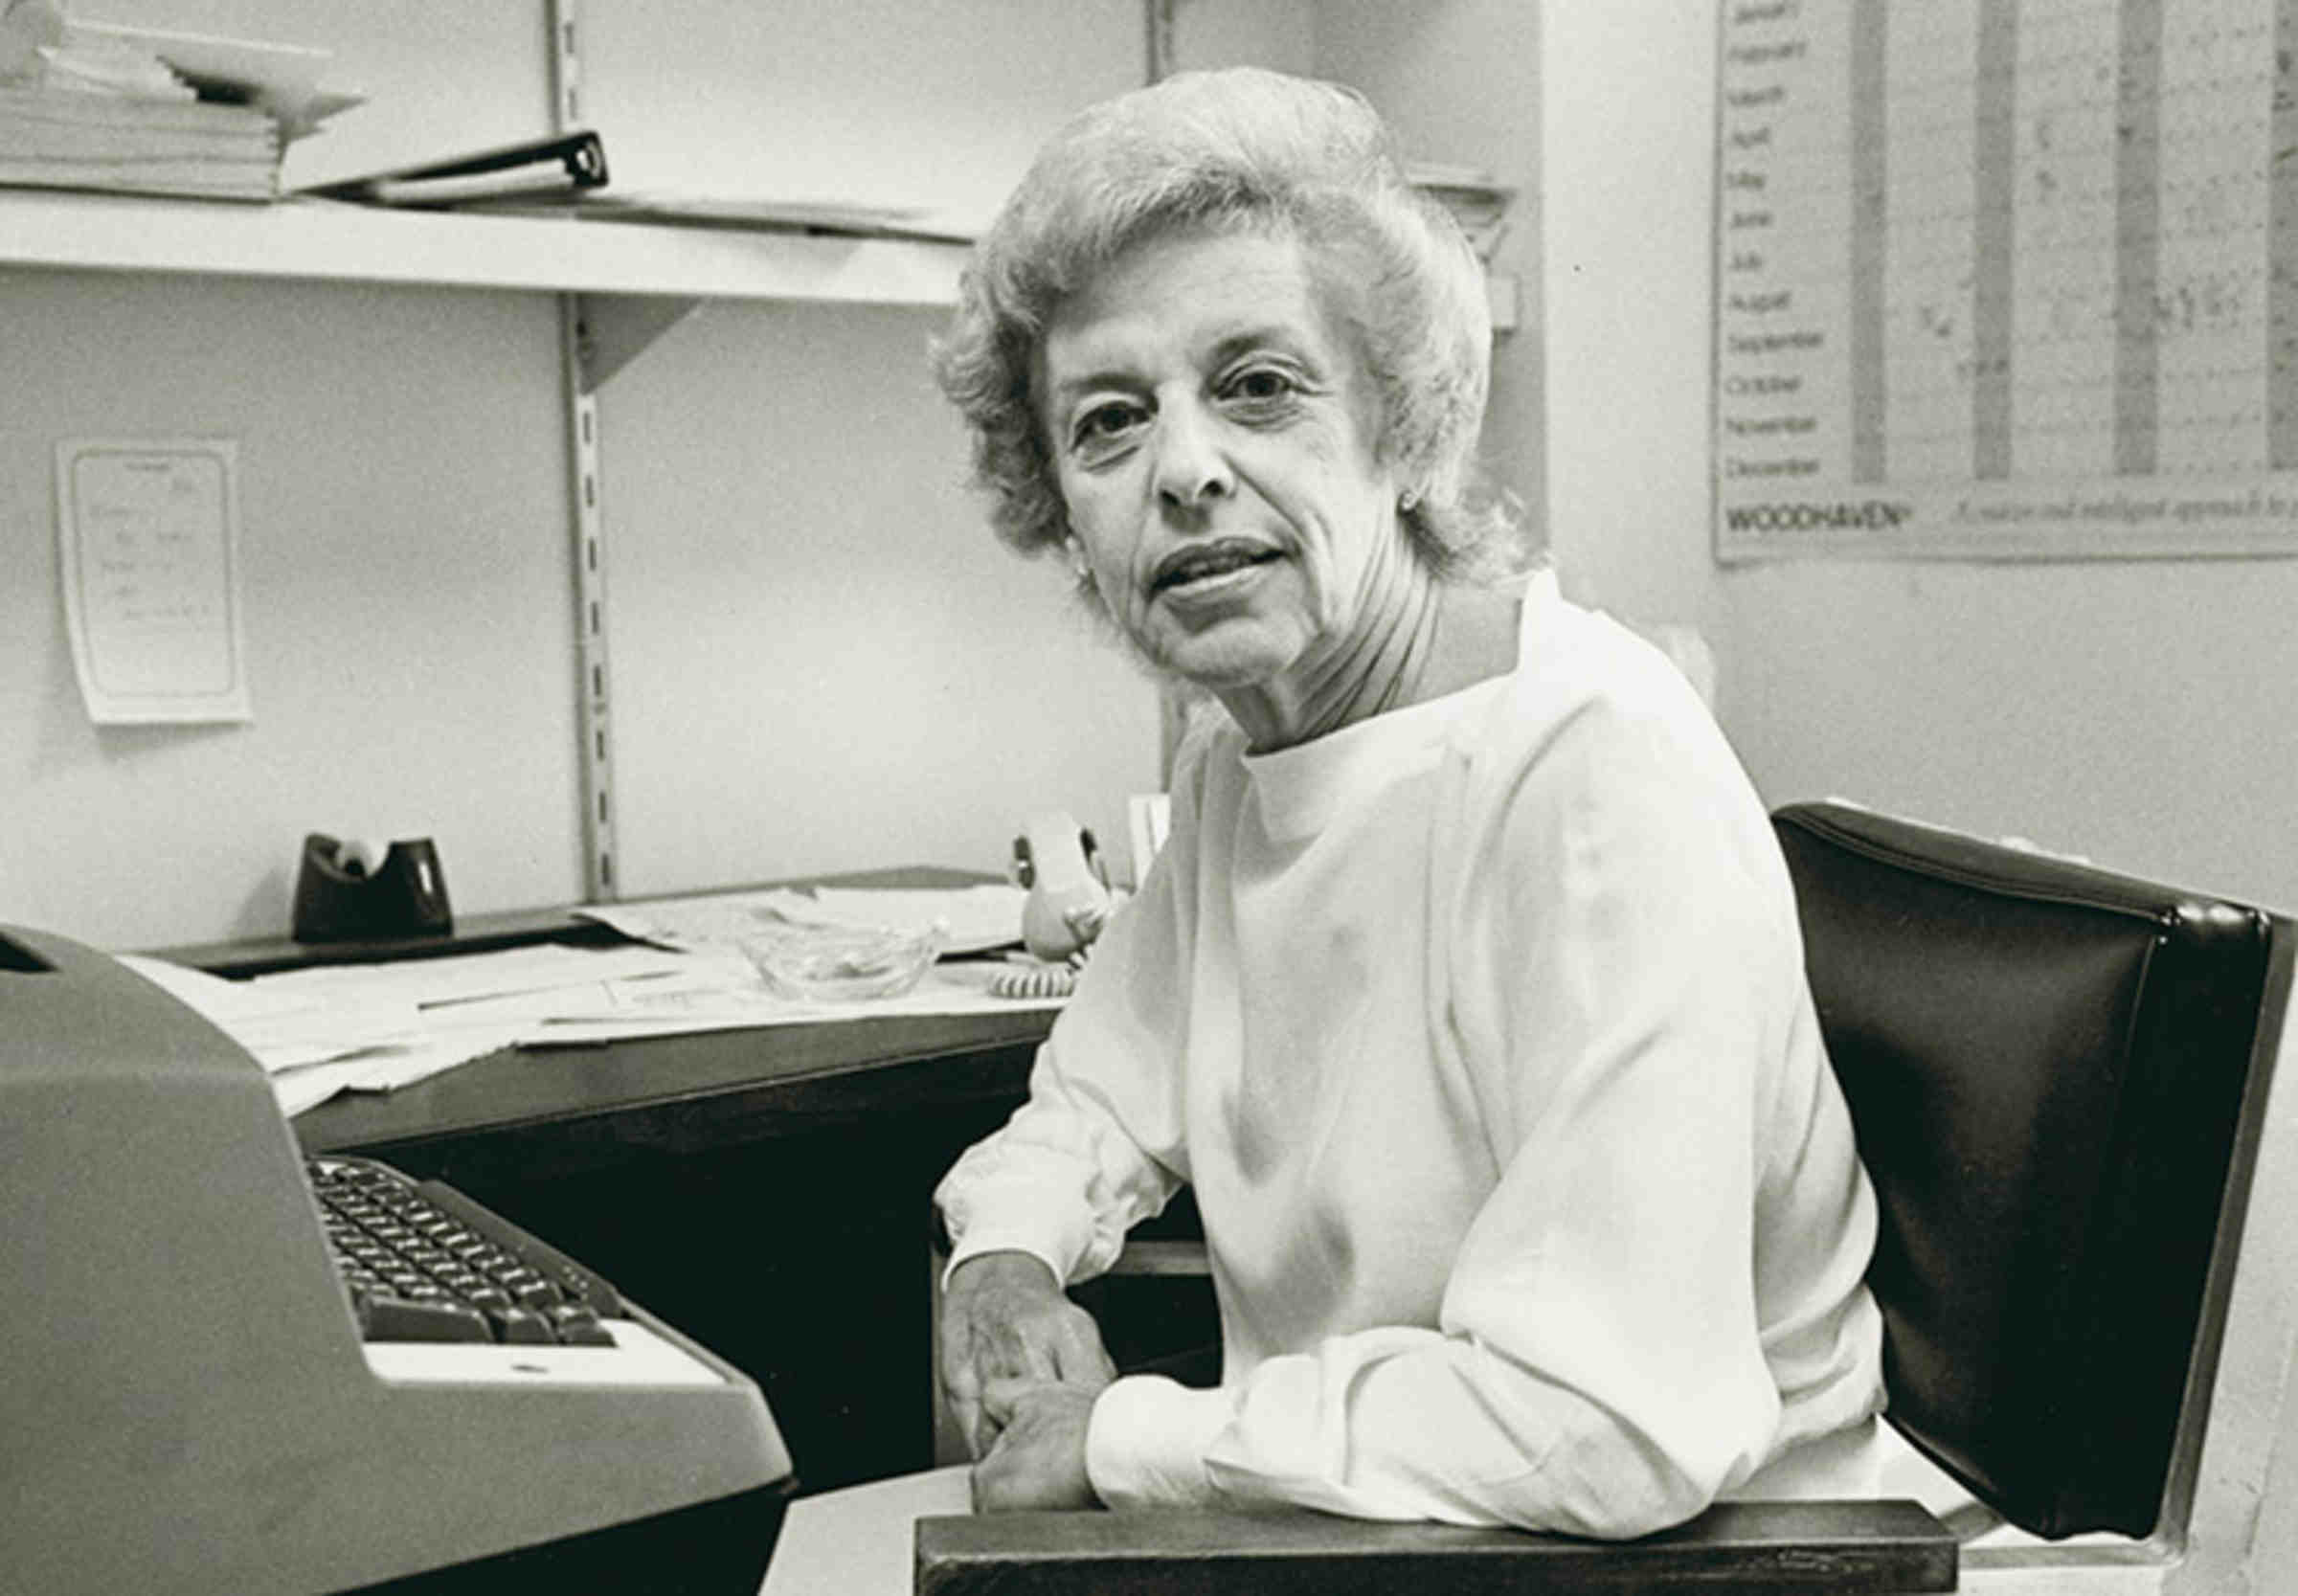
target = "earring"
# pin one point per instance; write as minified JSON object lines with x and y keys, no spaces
{"x":1078,"y":568}
{"x":1406,"y":502}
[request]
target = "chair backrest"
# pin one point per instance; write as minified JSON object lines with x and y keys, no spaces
{"x":2055,"y":1073}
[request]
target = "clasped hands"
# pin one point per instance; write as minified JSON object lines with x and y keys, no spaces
{"x":1020,"y":1365}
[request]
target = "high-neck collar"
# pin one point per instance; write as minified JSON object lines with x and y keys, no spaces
{"x":1421,"y":640}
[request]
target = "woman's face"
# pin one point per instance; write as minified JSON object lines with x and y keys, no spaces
{"x":1215,"y":443}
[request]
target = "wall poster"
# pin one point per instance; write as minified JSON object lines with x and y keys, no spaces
{"x":2006,"y":278}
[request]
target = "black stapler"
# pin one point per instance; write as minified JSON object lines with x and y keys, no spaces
{"x":341,"y":897}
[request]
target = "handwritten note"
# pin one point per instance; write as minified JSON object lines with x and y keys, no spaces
{"x":148,"y":533}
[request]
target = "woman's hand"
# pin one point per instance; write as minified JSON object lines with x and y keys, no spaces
{"x":1038,"y":1458}
{"x":1004,"y":1317}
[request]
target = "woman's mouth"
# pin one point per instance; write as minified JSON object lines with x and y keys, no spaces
{"x":1204,"y":563}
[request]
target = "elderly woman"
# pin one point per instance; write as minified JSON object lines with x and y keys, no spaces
{"x":1467,"y":992}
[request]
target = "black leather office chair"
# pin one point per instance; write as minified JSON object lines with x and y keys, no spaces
{"x":2057,"y":1078}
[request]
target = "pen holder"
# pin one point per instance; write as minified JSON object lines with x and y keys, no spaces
{"x":339,"y":899}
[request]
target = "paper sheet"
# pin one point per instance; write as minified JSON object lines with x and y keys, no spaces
{"x":314,"y":1044}
{"x":858,"y":1542}
{"x":147,"y":533}
{"x":464,"y":1006}
{"x":712,"y":1003}
{"x":282,"y":78}
{"x":378,"y":1026}
{"x":458,"y":979}
{"x":978,"y":917}
{"x":375,"y":1027}
{"x":285,"y":1030}
{"x":297,"y":1090}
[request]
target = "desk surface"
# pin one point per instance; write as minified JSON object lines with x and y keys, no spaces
{"x":542,"y":1111}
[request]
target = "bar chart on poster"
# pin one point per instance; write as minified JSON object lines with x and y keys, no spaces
{"x":2006,"y":278}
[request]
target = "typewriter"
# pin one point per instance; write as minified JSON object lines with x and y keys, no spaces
{"x":236,"y":1368}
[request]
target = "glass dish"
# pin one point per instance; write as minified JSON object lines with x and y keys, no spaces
{"x":837,"y":963}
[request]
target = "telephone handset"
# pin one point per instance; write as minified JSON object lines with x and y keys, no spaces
{"x":1060,"y":862}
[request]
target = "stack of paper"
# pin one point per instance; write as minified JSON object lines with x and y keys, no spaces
{"x":374,"y":1028}
{"x":310,"y":1051}
{"x":69,"y":139}
{"x":86,"y":106}
{"x":381,"y":1025}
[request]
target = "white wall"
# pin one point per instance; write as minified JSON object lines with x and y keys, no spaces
{"x":1459,"y":81}
{"x":1624,"y":114}
{"x":2139,"y":713}
{"x":405,"y":589}
{"x":822,"y":659}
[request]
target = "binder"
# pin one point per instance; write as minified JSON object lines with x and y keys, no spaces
{"x":562,"y":165}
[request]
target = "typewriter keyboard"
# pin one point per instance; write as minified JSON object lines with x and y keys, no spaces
{"x":424,"y":1263}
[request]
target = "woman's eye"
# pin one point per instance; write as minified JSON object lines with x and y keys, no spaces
{"x":1262,"y":385}
{"x":1105,"y":424}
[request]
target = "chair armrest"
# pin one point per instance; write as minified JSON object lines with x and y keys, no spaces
{"x":1835,"y":1547}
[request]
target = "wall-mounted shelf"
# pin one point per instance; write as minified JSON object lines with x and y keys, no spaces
{"x":323,"y":240}
{"x":328,"y":241}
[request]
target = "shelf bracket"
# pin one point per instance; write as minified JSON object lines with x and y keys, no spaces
{"x":594,"y":724}
{"x":566,"y":65}
{"x":616,"y":329}
{"x":601,"y":333}
{"x":581,"y":374}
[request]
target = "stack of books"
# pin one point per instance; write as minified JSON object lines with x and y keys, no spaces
{"x":75,"y":139}
{"x":86,"y":105}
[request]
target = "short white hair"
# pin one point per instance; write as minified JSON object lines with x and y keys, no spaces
{"x":1242,"y":150}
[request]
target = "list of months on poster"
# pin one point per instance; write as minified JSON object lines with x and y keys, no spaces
{"x":2009,"y":278}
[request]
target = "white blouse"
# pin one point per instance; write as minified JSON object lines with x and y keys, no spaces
{"x":1480,"y":1029}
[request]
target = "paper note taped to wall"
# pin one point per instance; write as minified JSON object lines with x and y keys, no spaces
{"x":148,"y":535}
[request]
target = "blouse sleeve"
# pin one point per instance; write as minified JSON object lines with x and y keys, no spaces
{"x":1099,"y":1144}
{"x":1624,"y":960}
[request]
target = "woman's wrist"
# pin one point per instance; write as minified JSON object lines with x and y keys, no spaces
{"x":1015,"y":1268}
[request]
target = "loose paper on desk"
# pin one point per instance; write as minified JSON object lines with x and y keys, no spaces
{"x":378,"y":1026}
{"x":381,"y":1025}
{"x":466,"y":1005}
{"x":148,"y":534}
{"x":311,"y":1049}
{"x":713,"y":1000}
{"x":978,"y":917}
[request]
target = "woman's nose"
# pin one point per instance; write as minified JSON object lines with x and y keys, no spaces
{"x":1190,"y":466}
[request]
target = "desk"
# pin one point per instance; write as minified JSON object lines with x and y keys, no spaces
{"x":574,"y":1110}
{"x":766,"y":1191}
